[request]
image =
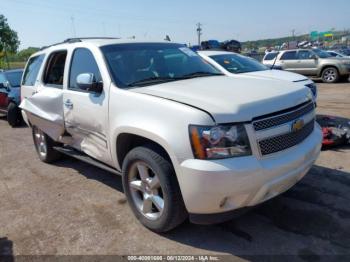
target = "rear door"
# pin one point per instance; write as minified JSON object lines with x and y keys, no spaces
{"x":289,"y":61}
{"x":30,"y":79}
{"x":85,"y":112}
{"x":44,"y":108}
{"x":3,"y":94}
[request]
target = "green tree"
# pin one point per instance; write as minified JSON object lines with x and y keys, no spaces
{"x":9,"y":42}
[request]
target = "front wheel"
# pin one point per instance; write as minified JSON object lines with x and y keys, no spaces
{"x":152,"y":190}
{"x":44,"y":146}
{"x":330,"y":75}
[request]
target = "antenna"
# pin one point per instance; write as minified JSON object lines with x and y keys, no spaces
{"x":274,"y":62}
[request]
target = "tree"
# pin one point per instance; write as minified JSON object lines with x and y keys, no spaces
{"x":8,"y":38}
{"x":24,"y":54}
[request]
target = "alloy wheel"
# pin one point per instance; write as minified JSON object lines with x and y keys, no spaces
{"x":329,"y":75}
{"x":146,"y":190}
{"x":40,"y":141}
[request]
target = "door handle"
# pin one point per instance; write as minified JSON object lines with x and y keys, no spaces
{"x":68,"y":104}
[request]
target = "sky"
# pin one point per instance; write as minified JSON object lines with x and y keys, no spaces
{"x":43,"y":22}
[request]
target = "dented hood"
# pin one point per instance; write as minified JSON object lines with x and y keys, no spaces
{"x":231,"y":99}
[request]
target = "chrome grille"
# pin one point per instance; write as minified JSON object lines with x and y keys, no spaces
{"x":282,"y":142}
{"x":282,"y":119}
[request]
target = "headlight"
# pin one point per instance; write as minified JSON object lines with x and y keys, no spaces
{"x":313,"y":88}
{"x":219,"y":142}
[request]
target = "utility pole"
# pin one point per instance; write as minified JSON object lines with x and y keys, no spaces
{"x":199,"y":33}
{"x":293,"y":34}
{"x":73,"y":26}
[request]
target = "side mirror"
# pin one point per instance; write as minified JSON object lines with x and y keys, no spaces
{"x":87,"y":82}
{"x":315,"y":57}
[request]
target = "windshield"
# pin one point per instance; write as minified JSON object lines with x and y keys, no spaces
{"x":133,"y":65}
{"x":238,"y":64}
{"x":321,"y":54}
{"x":14,"y":78}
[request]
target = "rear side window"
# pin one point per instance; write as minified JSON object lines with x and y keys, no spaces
{"x":83,"y":61}
{"x":270,"y":56}
{"x":32,"y":70}
{"x":54,"y":71}
{"x":292,"y":55}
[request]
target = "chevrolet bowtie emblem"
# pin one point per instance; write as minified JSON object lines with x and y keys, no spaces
{"x":297,"y":125}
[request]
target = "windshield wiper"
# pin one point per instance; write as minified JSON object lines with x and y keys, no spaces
{"x":152,"y":80}
{"x":199,"y":74}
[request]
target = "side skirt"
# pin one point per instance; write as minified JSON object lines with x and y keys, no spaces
{"x":85,"y":158}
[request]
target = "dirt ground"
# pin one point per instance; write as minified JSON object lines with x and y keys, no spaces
{"x":72,"y":208}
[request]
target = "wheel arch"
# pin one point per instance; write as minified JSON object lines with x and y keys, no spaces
{"x":328,"y":66}
{"x":126,"y":141}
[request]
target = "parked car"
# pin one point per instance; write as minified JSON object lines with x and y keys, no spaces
{"x":337,"y":54}
{"x":236,"y":65}
{"x":232,"y":46}
{"x":210,"y":44}
{"x":10,"y":82}
{"x":187,"y":140}
{"x":310,"y":62}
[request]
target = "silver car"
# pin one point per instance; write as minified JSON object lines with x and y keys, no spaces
{"x":310,"y":62}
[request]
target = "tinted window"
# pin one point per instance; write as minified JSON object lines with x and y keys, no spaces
{"x":32,"y":70}
{"x":289,"y":55}
{"x":131,"y":64}
{"x":14,"y":78}
{"x":304,"y":54}
{"x":238,"y":64}
{"x":83,"y":61}
{"x":270,"y":56}
{"x":54,"y":71}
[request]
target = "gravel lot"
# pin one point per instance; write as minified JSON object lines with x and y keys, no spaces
{"x":73,"y":208}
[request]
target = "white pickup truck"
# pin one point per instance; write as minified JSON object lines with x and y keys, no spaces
{"x":187,"y":140}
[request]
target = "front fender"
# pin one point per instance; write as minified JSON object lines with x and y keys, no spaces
{"x":159,"y":120}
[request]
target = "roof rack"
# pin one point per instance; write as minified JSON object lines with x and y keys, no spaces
{"x":77,"y":40}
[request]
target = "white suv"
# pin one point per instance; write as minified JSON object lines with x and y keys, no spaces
{"x":187,"y":140}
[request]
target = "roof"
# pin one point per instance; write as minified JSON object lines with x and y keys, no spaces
{"x":101,"y":41}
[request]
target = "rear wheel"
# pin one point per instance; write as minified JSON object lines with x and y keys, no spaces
{"x":330,"y":75}
{"x":152,"y":190}
{"x":44,"y":146}
{"x":14,"y":117}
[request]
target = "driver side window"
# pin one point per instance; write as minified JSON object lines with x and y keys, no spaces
{"x":83,"y":61}
{"x":303,"y":55}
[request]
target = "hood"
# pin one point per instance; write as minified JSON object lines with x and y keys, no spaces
{"x":278,"y":74}
{"x":229,"y":99}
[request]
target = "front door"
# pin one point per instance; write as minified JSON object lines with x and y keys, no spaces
{"x":307,"y":65}
{"x":86,"y":113}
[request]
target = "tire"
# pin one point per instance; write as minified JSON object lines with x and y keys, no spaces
{"x":330,"y":75}
{"x":14,"y":117}
{"x":44,"y":146}
{"x":145,"y":195}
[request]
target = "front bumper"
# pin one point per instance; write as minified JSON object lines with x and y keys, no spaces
{"x":220,"y":186}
